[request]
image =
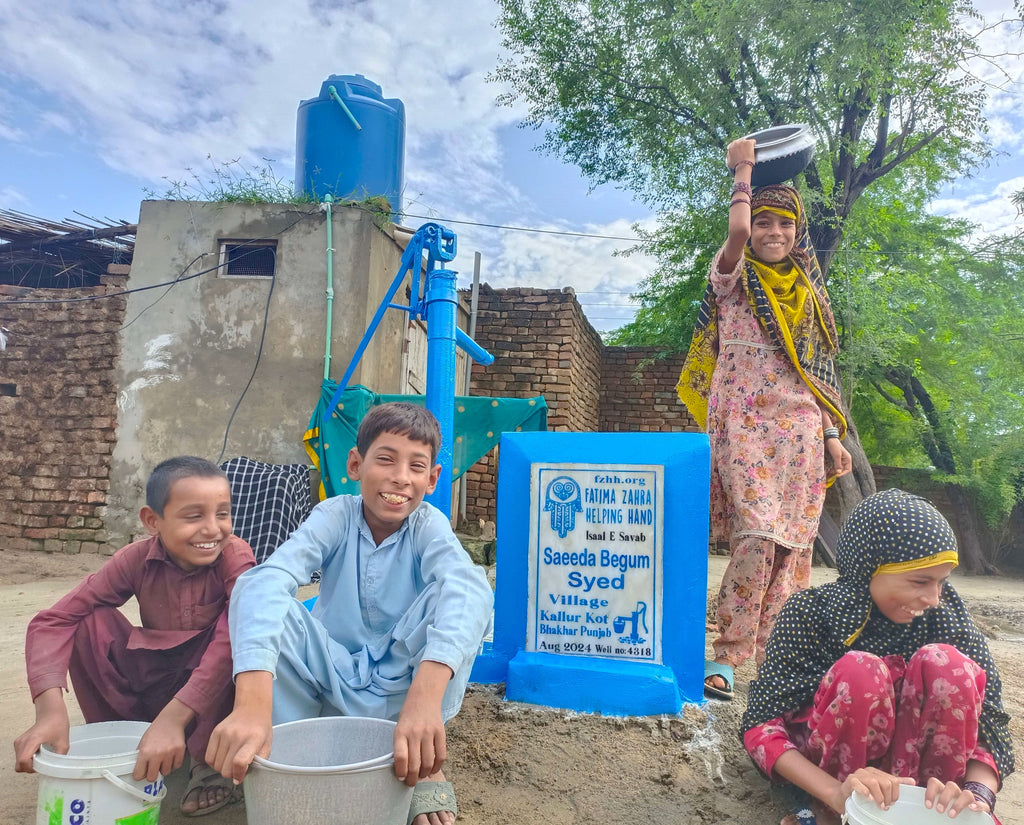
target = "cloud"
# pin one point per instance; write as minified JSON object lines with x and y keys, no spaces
{"x":1005,"y":133}
{"x":1001,"y":69}
{"x":58,"y":121}
{"x":156,"y":88}
{"x":162,"y":89}
{"x":11,"y":133}
{"x":8,"y":131}
{"x":991,"y":211}
{"x":11,"y":198}
{"x":602,"y":280}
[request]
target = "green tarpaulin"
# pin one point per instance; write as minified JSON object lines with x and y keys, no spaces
{"x":479,"y":423}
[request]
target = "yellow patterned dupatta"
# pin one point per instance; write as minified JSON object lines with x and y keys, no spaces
{"x":791,"y":304}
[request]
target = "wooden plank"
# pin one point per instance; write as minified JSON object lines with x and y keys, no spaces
{"x":825,"y":542}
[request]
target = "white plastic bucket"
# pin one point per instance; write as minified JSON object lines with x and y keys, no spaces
{"x":92,"y":783}
{"x":909,"y":809}
{"x":335,"y":770}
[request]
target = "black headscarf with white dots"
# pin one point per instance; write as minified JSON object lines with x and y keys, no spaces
{"x":891,"y":530}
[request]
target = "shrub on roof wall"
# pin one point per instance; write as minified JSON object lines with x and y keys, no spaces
{"x":233,"y":182}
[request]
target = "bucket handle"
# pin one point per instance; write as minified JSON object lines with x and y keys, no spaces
{"x":131,"y":790}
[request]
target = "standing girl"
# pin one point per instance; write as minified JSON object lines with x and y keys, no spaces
{"x":760,"y":376}
{"x":880,"y":678}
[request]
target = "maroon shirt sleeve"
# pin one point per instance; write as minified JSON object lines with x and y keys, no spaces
{"x":51,"y":633}
{"x":213,"y":674}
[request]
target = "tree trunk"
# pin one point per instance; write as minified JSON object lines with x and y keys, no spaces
{"x":826,"y":231}
{"x":849,"y":490}
{"x":918,"y":403}
{"x":969,"y":532}
{"x":826,"y":238}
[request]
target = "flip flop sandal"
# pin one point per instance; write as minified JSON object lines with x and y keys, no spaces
{"x":725,"y":672}
{"x":800,"y":803}
{"x":430,"y":797}
{"x":203,"y":777}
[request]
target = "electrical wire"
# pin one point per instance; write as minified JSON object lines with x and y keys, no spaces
{"x":181,"y":278}
{"x":873,"y":253}
{"x":534,"y":230}
{"x":259,"y":355}
{"x":170,"y":286}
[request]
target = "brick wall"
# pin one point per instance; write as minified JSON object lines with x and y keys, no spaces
{"x":638,"y":392}
{"x":544,"y":345}
{"x":58,"y":405}
{"x":539,"y":339}
{"x":58,"y":398}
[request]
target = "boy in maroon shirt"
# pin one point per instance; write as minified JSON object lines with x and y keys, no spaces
{"x":175,"y":670}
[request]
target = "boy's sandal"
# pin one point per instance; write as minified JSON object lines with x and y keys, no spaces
{"x":203,"y":777}
{"x":430,"y":797}
{"x":725,"y":673}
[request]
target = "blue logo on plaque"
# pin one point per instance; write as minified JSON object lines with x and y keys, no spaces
{"x":564,"y":501}
{"x":637,"y":618}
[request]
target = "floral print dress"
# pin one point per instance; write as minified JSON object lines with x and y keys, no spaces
{"x":767,"y":450}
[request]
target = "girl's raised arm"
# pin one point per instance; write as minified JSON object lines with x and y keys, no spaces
{"x":739,"y":157}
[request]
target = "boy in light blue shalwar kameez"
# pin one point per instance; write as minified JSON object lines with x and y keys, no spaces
{"x":399,"y":620}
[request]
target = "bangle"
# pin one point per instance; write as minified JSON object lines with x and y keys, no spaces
{"x":983,"y":793}
{"x":740,"y":186}
{"x":830,"y":432}
{"x":735,"y":201}
{"x":740,"y":163}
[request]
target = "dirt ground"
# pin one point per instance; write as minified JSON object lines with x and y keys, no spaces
{"x":512,"y":762}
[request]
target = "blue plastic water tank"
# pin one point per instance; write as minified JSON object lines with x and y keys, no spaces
{"x":334,"y":156}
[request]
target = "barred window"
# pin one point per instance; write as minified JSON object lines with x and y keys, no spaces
{"x":255,"y":258}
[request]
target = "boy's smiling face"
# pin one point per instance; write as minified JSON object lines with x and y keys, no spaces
{"x":394,"y":476}
{"x":196,"y":521}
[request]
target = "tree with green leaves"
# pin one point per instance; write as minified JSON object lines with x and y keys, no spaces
{"x":931,"y":322}
{"x":646,"y":94}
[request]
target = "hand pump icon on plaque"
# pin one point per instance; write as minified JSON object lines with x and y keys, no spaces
{"x":636,"y":618}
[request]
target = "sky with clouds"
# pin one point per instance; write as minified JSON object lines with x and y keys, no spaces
{"x":102,"y":101}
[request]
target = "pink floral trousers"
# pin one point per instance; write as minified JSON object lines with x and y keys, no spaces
{"x":917,"y":719}
{"x":760,"y":577}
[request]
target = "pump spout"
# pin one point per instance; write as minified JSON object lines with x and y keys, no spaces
{"x":473,"y":349}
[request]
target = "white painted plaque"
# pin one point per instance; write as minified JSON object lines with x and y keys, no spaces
{"x":596,"y":544}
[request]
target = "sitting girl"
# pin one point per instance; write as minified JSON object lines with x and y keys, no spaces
{"x":881,"y":678}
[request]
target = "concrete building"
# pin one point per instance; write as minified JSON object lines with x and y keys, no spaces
{"x":244,"y":325}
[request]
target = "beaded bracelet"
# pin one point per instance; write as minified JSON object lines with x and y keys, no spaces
{"x":983,"y":793}
{"x":735,"y":201}
{"x":741,"y":186}
{"x":831,"y":432}
{"x":740,"y":163}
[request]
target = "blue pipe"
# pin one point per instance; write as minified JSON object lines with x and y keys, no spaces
{"x":440,"y":307}
{"x":442,"y":302}
{"x":473,"y":349}
{"x":337,"y":99}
